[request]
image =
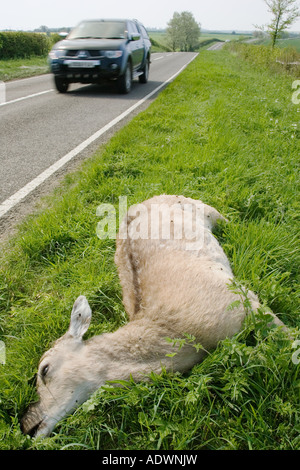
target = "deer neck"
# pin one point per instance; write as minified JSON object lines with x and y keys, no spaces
{"x":135,"y":350}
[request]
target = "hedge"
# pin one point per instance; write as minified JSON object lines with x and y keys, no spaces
{"x":19,"y":45}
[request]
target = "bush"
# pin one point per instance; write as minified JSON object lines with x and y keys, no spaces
{"x":19,"y":45}
{"x":208,"y":42}
{"x":54,"y":38}
{"x":266,"y":56}
{"x":158,"y":47}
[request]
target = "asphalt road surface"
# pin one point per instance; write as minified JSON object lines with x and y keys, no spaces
{"x":216,"y":47}
{"x":41,"y":131}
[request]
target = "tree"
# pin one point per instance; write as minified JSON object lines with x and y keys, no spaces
{"x":259,"y":34}
{"x":43,"y":29}
{"x":183,"y":31}
{"x":284,"y":13}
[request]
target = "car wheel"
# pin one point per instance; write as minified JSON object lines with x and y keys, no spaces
{"x":61,"y":84}
{"x":145,"y":75}
{"x":125,"y":81}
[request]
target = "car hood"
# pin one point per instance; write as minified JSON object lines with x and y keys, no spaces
{"x":102,"y":44}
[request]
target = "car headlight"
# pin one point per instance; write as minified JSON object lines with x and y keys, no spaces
{"x":113,"y":54}
{"x":56,"y":53}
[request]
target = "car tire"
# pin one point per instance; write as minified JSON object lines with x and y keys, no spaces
{"x":61,"y":84}
{"x":145,"y":75}
{"x":125,"y":80}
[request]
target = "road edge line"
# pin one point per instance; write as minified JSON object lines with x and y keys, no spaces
{"x":22,"y":98}
{"x":17,"y":197}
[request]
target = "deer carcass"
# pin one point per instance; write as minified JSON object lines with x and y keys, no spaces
{"x":174,"y":277}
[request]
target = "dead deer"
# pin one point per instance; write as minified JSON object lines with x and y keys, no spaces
{"x":175,"y":280}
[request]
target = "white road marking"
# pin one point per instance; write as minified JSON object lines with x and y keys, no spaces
{"x":13,"y":200}
{"x":2,"y":92}
{"x":26,"y":97}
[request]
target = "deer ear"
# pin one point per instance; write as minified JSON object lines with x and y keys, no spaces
{"x":80,"y":318}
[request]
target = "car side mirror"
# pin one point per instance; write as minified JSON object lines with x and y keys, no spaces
{"x":135,"y":37}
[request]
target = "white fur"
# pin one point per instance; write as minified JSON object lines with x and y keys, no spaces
{"x":171,"y":287}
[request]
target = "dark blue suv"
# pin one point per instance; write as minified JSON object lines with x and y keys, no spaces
{"x":102,"y":49}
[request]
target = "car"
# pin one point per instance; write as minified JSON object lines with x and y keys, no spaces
{"x":97,"y":50}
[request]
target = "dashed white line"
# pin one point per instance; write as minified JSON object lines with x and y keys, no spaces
{"x":26,"y":97}
{"x":13,"y":200}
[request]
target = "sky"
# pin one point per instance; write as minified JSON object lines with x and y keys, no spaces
{"x":211,"y":14}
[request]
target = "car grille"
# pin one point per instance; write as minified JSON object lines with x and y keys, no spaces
{"x":91,"y":53}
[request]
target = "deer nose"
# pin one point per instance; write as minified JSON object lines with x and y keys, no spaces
{"x":31,"y":420}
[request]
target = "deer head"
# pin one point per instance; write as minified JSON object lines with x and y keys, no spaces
{"x":62,"y":383}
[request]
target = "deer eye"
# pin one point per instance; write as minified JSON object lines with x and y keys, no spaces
{"x":44,"y":371}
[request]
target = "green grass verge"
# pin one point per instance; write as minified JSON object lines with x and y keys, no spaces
{"x":284,"y":43}
{"x":224,"y":132}
{"x":224,"y":36}
{"x":22,"y":68}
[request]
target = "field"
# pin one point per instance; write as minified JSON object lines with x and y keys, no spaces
{"x":224,"y":132}
{"x":205,"y":38}
{"x":294,"y":43}
{"x":223,"y":36}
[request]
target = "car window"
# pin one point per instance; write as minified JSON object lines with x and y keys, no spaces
{"x":132,"y":28}
{"x":99,"y":29}
{"x":144,"y":32}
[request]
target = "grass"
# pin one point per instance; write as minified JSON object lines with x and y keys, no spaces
{"x":285,"y":60}
{"x":223,"y":36}
{"x":284,"y":43}
{"x":207,"y":39}
{"x":159,"y":43}
{"x":224,"y":132}
{"x":22,"y":68}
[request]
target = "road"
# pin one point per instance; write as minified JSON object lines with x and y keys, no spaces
{"x":42,"y":131}
{"x":216,"y":47}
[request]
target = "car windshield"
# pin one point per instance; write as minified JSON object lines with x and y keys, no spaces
{"x":99,"y":30}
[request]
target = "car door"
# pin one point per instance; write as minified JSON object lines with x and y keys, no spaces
{"x":136,"y":45}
